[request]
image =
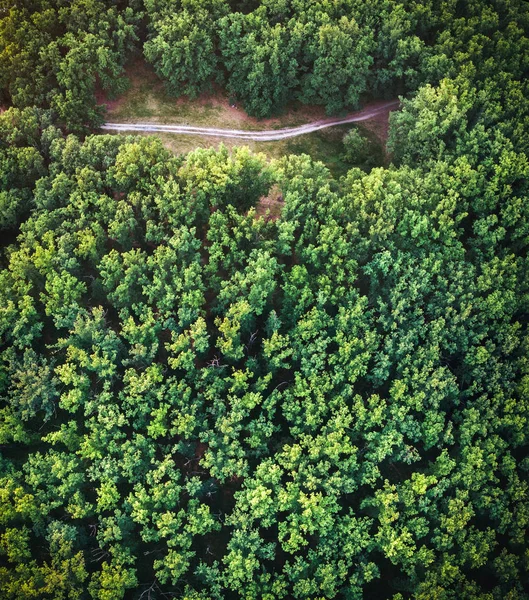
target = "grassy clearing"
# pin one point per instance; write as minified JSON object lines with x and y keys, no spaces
{"x":324,"y":145}
{"x":147,"y":101}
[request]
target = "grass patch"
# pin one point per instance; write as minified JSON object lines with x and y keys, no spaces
{"x":324,"y":145}
{"x":147,"y":100}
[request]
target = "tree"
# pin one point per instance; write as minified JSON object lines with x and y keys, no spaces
{"x":261,"y":62}
{"x":199,"y":401}
{"x":342,"y":57}
{"x":183,"y":46}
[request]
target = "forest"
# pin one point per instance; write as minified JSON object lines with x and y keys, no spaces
{"x":203,"y":402}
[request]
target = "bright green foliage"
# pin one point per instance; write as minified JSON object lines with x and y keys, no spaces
{"x":257,"y":408}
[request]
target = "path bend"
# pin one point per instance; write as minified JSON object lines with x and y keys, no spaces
{"x":267,"y":135}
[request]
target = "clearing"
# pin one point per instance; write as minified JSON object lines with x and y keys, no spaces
{"x":146,"y":101}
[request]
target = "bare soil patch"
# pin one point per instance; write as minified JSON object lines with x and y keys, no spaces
{"x":379,"y":125}
{"x":271,"y":205}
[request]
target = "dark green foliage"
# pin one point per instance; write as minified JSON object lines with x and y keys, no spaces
{"x":182,"y":46}
{"x":25,"y":138}
{"x":54,"y":53}
{"x":336,"y":53}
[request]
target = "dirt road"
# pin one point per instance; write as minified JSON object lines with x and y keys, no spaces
{"x":260,"y":136}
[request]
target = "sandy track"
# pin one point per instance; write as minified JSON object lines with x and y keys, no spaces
{"x":267,"y":135}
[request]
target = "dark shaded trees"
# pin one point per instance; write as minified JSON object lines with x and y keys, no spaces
{"x":52,"y":55}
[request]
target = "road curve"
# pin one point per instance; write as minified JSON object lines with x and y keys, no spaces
{"x":268,"y":135}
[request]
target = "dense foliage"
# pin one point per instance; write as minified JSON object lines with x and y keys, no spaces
{"x":54,"y":54}
{"x":57,"y":54}
{"x":202,"y":402}
{"x":206,"y":402}
{"x":331,"y":53}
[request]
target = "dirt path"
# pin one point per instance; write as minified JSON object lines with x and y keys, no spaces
{"x":268,"y":135}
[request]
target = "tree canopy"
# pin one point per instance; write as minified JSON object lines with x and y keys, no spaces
{"x":202,"y":401}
